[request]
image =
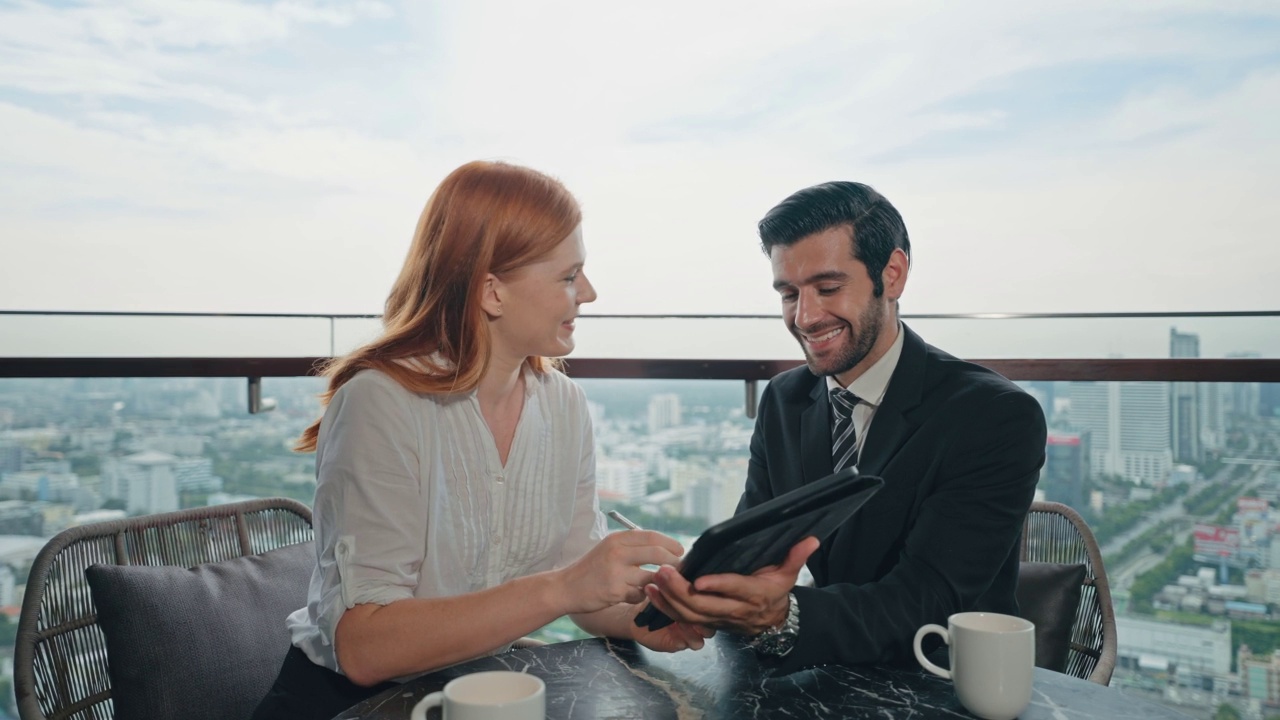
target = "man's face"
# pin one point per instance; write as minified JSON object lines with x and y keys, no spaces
{"x":829,"y":303}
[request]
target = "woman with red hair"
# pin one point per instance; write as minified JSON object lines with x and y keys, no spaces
{"x":455,"y":506}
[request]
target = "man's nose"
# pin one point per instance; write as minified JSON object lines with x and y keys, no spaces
{"x":808,"y":310}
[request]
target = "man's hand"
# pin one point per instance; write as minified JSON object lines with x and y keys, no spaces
{"x":672,"y":638}
{"x":743,"y":604}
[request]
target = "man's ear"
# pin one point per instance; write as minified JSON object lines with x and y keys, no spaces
{"x":491,"y":298}
{"x":895,"y":274}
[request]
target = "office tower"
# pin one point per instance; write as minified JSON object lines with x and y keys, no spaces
{"x":624,"y":479}
{"x":1066,"y":465}
{"x":1184,"y":402}
{"x":1128,"y":427}
{"x":195,"y":474}
{"x":145,"y":481}
{"x":1213,"y":416}
{"x":1243,"y":400}
{"x":1269,"y":399}
{"x":664,"y":412}
{"x":1043,"y":392}
{"x":687,"y":473}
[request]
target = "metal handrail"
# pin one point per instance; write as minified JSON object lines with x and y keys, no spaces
{"x":749,"y":370}
{"x":1073,"y":369}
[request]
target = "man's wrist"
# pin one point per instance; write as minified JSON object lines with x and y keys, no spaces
{"x":780,"y":639}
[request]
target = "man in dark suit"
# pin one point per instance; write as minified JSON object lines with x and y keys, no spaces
{"x":959,"y":448}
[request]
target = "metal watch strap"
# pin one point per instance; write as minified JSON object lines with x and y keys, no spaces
{"x":779,"y":641}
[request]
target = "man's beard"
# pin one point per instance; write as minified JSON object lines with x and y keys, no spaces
{"x":860,"y":339}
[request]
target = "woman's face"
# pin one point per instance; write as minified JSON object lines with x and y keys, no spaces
{"x":539,"y":302}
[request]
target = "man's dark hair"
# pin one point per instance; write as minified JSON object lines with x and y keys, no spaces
{"x":876,"y":227}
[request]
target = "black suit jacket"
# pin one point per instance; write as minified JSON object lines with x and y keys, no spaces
{"x":959,"y":448}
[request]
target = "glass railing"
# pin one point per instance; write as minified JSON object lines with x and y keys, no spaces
{"x":740,"y":337}
{"x":1181,"y":485}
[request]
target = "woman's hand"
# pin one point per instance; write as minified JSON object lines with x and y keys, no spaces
{"x":611,"y":572}
{"x":672,"y":638}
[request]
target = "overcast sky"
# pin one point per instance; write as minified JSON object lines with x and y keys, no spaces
{"x":203,"y":155}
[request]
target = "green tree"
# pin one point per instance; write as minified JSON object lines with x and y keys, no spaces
{"x":1146,"y":585}
{"x":1226,"y":712}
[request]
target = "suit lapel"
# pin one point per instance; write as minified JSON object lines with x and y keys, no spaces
{"x":815,"y":435}
{"x":891,"y":426}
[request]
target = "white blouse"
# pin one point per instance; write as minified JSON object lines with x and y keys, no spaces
{"x":413,"y":501}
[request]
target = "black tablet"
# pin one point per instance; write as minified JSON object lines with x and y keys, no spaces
{"x":764,"y":534}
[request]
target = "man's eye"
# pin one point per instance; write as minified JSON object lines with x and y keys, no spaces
{"x":788,"y":297}
{"x":832,"y":290}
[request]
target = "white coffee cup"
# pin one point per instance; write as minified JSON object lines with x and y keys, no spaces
{"x":493,"y":695}
{"x":993,"y":658}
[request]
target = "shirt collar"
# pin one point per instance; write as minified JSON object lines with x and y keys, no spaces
{"x":871,"y":385}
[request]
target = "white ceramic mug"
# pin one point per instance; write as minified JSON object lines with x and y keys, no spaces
{"x":993,"y":658}
{"x":493,"y":695}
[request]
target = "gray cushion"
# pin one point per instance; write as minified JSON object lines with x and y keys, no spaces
{"x":1048,"y":595}
{"x":205,"y":642}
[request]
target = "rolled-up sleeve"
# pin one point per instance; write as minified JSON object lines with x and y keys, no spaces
{"x":370,"y":505}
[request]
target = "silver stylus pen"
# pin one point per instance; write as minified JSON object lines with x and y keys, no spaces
{"x":622,"y":520}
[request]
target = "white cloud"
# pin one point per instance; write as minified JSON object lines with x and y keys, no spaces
{"x":216,"y":155}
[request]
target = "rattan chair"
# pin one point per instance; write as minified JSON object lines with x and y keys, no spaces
{"x":1054,"y":533}
{"x":60,"y":659}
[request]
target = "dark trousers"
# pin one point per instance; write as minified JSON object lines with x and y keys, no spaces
{"x":305,"y":691}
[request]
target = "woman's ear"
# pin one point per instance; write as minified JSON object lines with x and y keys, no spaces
{"x":491,"y":298}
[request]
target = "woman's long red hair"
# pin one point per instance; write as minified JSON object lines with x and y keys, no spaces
{"x":486,"y":217}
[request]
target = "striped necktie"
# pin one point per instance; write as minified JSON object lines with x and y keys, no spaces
{"x":844,"y":439}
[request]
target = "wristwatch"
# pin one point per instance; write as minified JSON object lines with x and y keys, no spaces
{"x":778,"y":641}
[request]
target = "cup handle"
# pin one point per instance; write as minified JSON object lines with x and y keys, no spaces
{"x":925,"y":630}
{"x":419,"y":711}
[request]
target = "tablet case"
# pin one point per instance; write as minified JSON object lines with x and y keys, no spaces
{"x":764,"y":534}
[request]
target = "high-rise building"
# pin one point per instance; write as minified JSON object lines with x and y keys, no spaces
{"x":1128,"y":427}
{"x":1243,"y":400}
{"x":1269,"y":399}
{"x":1066,"y":466}
{"x":145,"y":481}
{"x":1213,"y":416}
{"x":623,"y":478}
{"x":664,"y":412}
{"x":1184,"y":402}
{"x":1043,"y":392}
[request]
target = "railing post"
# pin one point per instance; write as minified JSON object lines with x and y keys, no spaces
{"x":256,"y":402}
{"x":751,"y":399}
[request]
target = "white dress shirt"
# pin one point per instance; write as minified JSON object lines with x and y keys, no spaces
{"x":870,"y":388}
{"x":412,"y":500}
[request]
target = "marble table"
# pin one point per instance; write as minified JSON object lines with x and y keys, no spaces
{"x":590,"y":679}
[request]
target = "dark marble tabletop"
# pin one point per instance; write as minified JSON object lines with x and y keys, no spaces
{"x":590,"y":679}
